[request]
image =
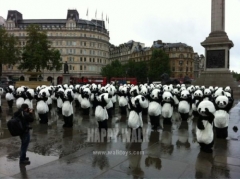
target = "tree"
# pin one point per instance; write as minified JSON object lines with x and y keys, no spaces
{"x":137,"y":70}
{"x":158,"y":64}
{"x":9,"y":50}
{"x":115,"y":69}
{"x":38,"y":53}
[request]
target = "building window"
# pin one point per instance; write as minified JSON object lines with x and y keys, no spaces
{"x":85,"y":67}
{"x":85,"y":59}
{"x":90,"y":60}
{"x":80,"y":67}
{"x":80,"y":59}
{"x":93,"y":60}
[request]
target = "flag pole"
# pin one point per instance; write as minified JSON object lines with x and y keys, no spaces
{"x":87,"y":17}
{"x":102,"y":21}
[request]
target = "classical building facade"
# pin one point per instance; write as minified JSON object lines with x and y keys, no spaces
{"x":83,"y":44}
{"x":181,"y":56}
{"x":124,"y":51}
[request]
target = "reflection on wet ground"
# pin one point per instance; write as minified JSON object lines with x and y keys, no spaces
{"x":171,"y":152}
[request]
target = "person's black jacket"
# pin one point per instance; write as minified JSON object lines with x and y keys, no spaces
{"x":26,"y":118}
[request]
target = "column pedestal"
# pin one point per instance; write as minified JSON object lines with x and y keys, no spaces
{"x":66,"y":78}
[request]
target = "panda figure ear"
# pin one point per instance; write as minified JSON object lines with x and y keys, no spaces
{"x":223,"y":93}
{"x":143,"y":98}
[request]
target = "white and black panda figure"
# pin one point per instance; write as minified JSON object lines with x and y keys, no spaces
{"x":1,"y":93}
{"x":123,"y":100}
{"x":29,"y":96}
{"x":42,"y":107}
{"x":59,"y":94}
{"x":135,"y":122}
{"x":76,"y":94}
{"x":176,"y":97}
{"x":109,"y":106}
{"x":197,"y":98}
{"x":114,"y":96}
{"x":134,"y":91}
{"x":67,"y":108}
{"x":85,"y":102}
{"x":167,"y":107}
{"x":101,"y":114}
{"x":229,"y":94}
{"x":10,"y":90}
{"x":185,"y":104}
{"x":221,"y":119}
{"x":50,"y":101}
{"x":19,"y":96}
{"x":145,"y":93}
{"x":155,"y":108}
{"x":204,"y":128}
{"x":207,"y":94}
{"x":94,"y":95}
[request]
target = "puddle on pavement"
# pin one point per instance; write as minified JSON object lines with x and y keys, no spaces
{"x":10,"y":163}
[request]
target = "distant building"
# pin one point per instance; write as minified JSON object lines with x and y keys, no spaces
{"x":83,"y":44}
{"x":181,"y":56}
{"x":123,"y":51}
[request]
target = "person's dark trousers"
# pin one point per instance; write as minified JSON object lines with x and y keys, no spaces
{"x":25,"y":139}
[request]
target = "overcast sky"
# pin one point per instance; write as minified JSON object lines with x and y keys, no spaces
{"x":186,"y":21}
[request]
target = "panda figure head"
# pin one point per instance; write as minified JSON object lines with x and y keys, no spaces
{"x":110,"y":90}
{"x":134,"y":91}
{"x":141,"y":101}
{"x":155,"y":94}
{"x":207,"y":92}
{"x":228,"y":89}
{"x":104,"y":98}
{"x":202,"y":108}
{"x":175,"y":91}
{"x":221,"y":101}
{"x":94,"y":88}
{"x":184,"y":94}
{"x":144,"y":91}
{"x":197,"y":87}
{"x":191,"y":89}
{"x":167,"y":96}
{"x":198,"y":94}
{"x":219,"y":92}
{"x":123,"y":90}
{"x":69,"y":93}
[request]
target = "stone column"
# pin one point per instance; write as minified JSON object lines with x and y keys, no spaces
{"x":218,"y":15}
{"x":217,"y":45}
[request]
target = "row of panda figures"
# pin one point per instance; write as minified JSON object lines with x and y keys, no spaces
{"x":211,"y":105}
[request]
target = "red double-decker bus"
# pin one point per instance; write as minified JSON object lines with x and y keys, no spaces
{"x":124,"y":80}
{"x":84,"y":80}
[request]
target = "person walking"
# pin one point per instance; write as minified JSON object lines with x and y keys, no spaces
{"x":26,"y":116}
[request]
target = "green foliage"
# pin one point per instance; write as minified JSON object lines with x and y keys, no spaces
{"x":38,"y":54}
{"x":137,"y":69}
{"x":9,"y":51}
{"x":115,"y":69}
{"x":158,"y":64}
{"x":236,"y":75}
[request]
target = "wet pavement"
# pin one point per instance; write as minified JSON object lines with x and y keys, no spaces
{"x":171,"y":152}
